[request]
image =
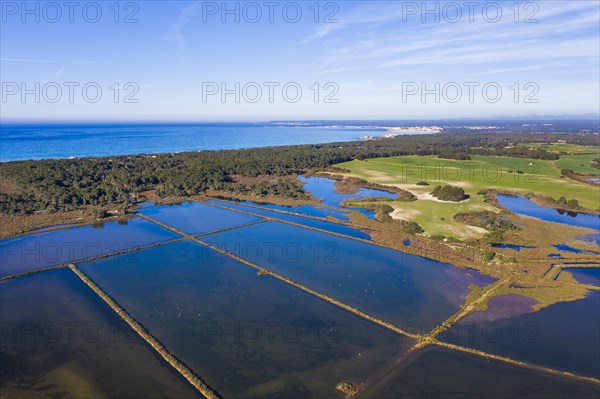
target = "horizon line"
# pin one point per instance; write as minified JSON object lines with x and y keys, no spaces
{"x":561,"y":117}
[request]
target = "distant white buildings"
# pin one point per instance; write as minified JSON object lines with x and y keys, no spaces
{"x":393,"y":131}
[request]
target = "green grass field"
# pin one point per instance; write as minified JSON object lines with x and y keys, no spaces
{"x":577,"y":158}
{"x":581,"y":163}
{"x":482,"y":172}
{"x":564,"y":148}
{"x":574,"y":149}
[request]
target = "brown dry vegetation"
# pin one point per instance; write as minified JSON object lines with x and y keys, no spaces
{"x":7,"y":187}
{"x":525,"y":271}
{"x":20,"y":224}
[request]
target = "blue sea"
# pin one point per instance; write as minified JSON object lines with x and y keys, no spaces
{"x":21,"y":142}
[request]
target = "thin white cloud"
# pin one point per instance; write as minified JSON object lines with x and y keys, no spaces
{"x":323,"y":31}
{"x":560,"y":33}
{"x":175,"y":31}
{"x":523,"y":68}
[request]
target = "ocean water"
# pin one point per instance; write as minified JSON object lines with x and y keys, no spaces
{"x":21,"y":142}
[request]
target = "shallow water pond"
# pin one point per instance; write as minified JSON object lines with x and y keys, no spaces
{"x":563,"y":336}
{"x":40,"y":250}
{"x":324,"y":189}
{"x":524,"y":206}
{"x":436,"y":372}
{"x":514,"y":247}
{"x":585,"y":275}
{"x":404,"y":289}
{"x":309,"y":210}
{"x":319,"y":224}
{"x":246,"y":335}
{"x":567,"y":248}
{"x":60,"y":340}
{"x":196,"y":218}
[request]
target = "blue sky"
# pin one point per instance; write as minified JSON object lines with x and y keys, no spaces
{"x":374,"y":58}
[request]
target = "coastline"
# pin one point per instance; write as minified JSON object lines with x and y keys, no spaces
{"x":105,"y":141}
{"x":117,"y":141}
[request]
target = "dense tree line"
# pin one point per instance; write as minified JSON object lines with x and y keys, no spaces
{"x":69,"y":183}
{"x":517,"y":152}
{"x":459,"y":156}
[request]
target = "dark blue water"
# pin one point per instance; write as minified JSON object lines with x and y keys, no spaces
{"x":40,"y":250}
{"x":525,"y":207}
{"x":319,"y":224}
{"x":515,"y":247}
{"x":563,"y":336}
{"x":567,"y":248}
{"x":405,"y":289}
{"x":436,"y":372}
{"x":20,"y":142}
{"x":581,"y":263}
{"x":316,"y":211}
{"x":585,"y":275}
{"x":249,"y":336}
{"x":324,"y":190}
{"x":196,"y":218}
{"x":61,"y":340}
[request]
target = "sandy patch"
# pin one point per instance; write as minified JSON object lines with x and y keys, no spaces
{"x":462,"y":184}
{"x":466,"y":232}
{"x":477,"y":230}
{"x":378,"y":177}
{"x":429,"y":197}
{"x":405,"y":214}
{"x":424,"y":193}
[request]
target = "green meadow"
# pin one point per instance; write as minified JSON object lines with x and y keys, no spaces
{"x":564,"y":148}
{"x":575,"y":157}
{"x":580,"y":163}
{"x":482,"y":172}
